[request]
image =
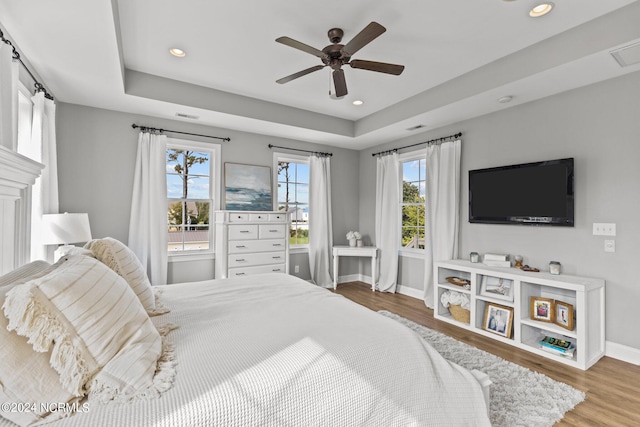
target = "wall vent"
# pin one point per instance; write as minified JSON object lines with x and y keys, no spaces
{"x":627,"y":55}
{"x":187,"y":116}
{"x":416,"y":127}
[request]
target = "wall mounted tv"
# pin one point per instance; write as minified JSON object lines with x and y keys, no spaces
{"x":539,"y":193}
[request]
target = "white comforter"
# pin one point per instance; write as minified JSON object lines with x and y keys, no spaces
{"x":275,"y":350}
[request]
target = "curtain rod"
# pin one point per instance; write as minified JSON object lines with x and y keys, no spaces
{"x":433,"y":141}
{"x":16,"y":55}
{"x":150,"y":129}
{"x":305,"y":151}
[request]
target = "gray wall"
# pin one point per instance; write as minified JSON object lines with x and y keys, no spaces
{"x":96,"y":161}
{"x":599,"y":126}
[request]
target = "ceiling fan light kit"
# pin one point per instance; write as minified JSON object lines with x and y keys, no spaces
{"x":336,"y":55}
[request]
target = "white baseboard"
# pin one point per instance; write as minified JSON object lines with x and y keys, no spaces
{"x":404,"y":290}
{"x":622,"y":352}
{"x":410,"y":292}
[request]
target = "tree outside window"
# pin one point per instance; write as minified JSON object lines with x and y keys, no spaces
{"x":293,"y":196}
{"x":413,"y":203}
{"x":189,"y":199}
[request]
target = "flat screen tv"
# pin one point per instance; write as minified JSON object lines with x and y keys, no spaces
{"x":539,"y":193}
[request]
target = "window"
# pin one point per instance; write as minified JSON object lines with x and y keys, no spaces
{"x":414,"y":171}
{"x":293,"y":195}
{"x":192,"y":169}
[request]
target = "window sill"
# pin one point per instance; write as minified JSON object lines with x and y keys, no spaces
{"x":200,"y":256}
{"x":418,"y":254}
{"x":298,"y":250}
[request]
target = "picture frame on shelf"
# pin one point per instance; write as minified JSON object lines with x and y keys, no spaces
{"x":564,"y":314}
{"x":542,"y":309}
{"x":498,"y":319}
{"x":497,"y":287}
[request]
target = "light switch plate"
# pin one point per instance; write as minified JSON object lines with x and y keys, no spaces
{"x":604,"y":229}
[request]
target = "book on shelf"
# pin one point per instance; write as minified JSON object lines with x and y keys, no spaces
{"x":557,"y":346}
{"x":492,"y":263}
{"x":496,"y":257}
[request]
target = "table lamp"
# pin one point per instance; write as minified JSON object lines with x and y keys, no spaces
{"x":63,"y":229}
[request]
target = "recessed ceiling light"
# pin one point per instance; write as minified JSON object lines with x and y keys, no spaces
{"x":358,"y":102}
{"x":177,"y":52}
{"x":505,"y":99}
{"x":540,"y":10}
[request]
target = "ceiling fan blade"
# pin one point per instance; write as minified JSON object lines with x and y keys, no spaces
{"x":380,"y":67}
{"x":339,"y":83}
{"x":301,"y":46}
{"x":300,"y":74}
{"x":364,"y":37}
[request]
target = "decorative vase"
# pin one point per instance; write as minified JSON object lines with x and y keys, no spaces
{"x":352,"y":242}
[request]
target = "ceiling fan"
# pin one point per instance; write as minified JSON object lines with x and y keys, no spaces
{"x":336,"y":55}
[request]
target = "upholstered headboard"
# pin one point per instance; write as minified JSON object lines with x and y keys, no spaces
{"x":17,"y":175}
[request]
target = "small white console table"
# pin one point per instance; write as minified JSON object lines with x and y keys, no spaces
{"x":362,"y":251}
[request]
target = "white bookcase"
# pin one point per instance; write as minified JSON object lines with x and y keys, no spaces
{"x":251,"y":243}
{"x":586,"y":295}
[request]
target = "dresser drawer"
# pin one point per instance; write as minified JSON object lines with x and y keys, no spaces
{"x":259,"y":217}
{"x":238,"y":217}
{"x":245,"y":271}
{"x":272,"y":231}
{"x":241,"y":232}
{"x":246,"y":246}
{"x":277,"y":217}
{"x":241,"y":260}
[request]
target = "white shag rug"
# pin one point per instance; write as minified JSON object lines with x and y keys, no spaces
{"x":519,"y":396}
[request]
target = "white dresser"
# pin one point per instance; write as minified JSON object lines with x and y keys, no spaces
{"x":249,"y":242}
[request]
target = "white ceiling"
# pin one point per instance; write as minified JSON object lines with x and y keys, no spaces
{"x":460,"y":57}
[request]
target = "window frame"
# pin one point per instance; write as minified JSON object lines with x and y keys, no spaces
{"x":215,"y":176}
{"x":404,"y":158}
{"x":294,"y":158}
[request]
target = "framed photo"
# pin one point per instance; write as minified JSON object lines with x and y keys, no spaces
{"x":564,"y":315}
{"x":247,"y":187}
{"x":497,"y":287}
{"x":498,"y":319}
{"x":542,"y":309}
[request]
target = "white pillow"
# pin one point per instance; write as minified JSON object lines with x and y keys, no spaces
{"x":118,"y":257}
{"x":98,"y":333}
{"x":25,"y":375}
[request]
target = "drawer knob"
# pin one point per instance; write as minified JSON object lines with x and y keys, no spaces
{"x":276,"y":269}
{"x":275,"y":257}
{"x":240,"y":260}
{"x":240,"y":246}
{"x":240,"y":274}
{"x":244,"y":231}
{"x":273,"y":231}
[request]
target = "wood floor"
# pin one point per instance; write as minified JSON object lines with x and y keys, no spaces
{"x":612,"y":387}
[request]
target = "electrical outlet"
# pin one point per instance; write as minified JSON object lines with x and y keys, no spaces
{"x":609,"y":245}
{"x":296,"y":269}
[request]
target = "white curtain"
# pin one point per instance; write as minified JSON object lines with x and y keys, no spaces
{"x":8,"y":98}
{"x":388,"y":184}
{"x":320,"y":226}
{"x":443,"y":209}
{"x":148,"y":220}
{"x":45,"y":189}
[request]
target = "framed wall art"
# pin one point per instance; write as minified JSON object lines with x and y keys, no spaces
{"x":542,"y":309}
{"x":498,"y":319}
{"x":247,"y":187}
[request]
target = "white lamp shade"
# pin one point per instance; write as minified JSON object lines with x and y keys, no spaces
{"x":62,"y":229}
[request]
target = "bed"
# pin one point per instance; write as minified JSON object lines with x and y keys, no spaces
{"x":276,"y":350}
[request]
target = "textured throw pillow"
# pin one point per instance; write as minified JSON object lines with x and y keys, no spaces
{"x":92,"y":323}
{"x":26,"y":378}
{"x":118,"y":257}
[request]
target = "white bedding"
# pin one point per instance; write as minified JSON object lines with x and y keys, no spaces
{"x":275,"y":350}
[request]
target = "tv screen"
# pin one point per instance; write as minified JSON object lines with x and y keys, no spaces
{"x":539,"y":193}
